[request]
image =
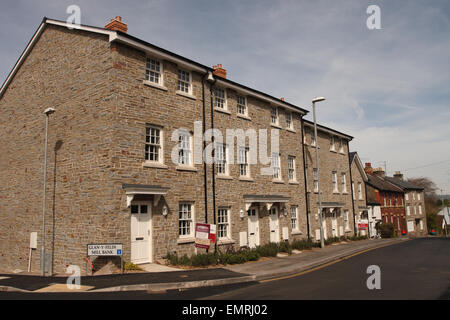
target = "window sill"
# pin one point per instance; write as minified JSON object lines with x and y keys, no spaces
{"x":224,"y":177}
{"x":148,"y":164}
{"x":154,"y":85}
{"x":291,"y":130}
{"x":276,"y":126}
{"x":186,"y":168}
{"x":225,"y":241}
{"x":248,"y":179}
{"x":331,"y":150}
{"x":222,"y":110}
{"x":294,"y":182}
{"x":336,"y":192}
{"x":186,"y":95}
{"x":185,"y":240}
{"x":296,"y":232}
{"x":278,"y":181}
{"x":244,"y":117}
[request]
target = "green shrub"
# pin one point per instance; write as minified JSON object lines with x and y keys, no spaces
{"x":268,"y":250}
{"x":203,"y":259}
{"x":285,"y":247}
{"x":129,"y":266}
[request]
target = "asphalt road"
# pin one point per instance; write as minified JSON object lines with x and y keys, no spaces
{"x":417,"y":269}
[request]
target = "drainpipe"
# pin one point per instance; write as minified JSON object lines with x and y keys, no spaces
{"x":304,"y":176}
{"x":205,"y":175}
{"x":351,"y":186}
{"x":213,"y":168}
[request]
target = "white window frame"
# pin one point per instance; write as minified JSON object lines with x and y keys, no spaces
{"x":187,"y":83}
{"x":220,"y":102}
{"x":316,"y":179}
{"x":241,"y":106}
{"x":244,"y":167}
{"x":222,"y":162}
{"x":420,"y":209}
{"x":276,"y":166}
{"x":292,"y":172}
{"x":289,"y":122}
{"x":418,"y":195}
{"x":344,"y":182}
{"x":346,"y":220}
{"x":313,"y":139}
{"x":149,"y":70}
{"x":341,"y":145}
{"x":294,"y":218}
{"x":414,"y":195}
{"x":190,"y":220}
{"x":332,"y":144}
{"x":274,"y":119}
{"x":182,"y":148}
{"x":149,"y":144}
{"x":406,"y":196}
{"x":353,"y":190}
{"x":334,"y":182}
{"x":408,"y":211}
{"x":226,"y":223}
{"x":360,"y":196}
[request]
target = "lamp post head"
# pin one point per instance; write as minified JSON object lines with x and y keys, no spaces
{"x":318,"y":99}
{"x":49,"y":111}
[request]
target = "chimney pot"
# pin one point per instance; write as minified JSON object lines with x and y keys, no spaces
{"x":220,"y":71}
{"x":117,"y":25}
{"x":368,"y":169}
{"x":282,"y":99}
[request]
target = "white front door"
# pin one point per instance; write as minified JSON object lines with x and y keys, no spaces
{"x":141,"y":237}
{"x":253,"y":227}
{"x":334,"y":224}
{"x":324,"y":224}
{"x":274,"y":225}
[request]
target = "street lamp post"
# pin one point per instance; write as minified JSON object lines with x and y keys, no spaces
{"x":47,"y":113}
{"x":322,"y":242}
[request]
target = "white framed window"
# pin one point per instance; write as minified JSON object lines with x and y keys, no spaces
{"x":221,"y":159}
{"x":291,"y":169}
{"x":294,"y":218}
{"x":346,"y":220}
{"x":186,"y":220}
{"x":276,"y":166}
{"x":153,"y":144}
{"x":415,"y":209}
{"x":406,"y":196}
{"x":220,"y":98}
{"x":223,"y":223}
{"x":341,"y":146}
{"x":289,"y":123}
{"x":420,"y":209}
{"x":242,"y":105}
{"x":384,"y":198}
{"x":332,"y":145}
{"x":353,"y":190}
{"x":244,"y":169}
{"x":316,"y":179}
{"x":408,"y":210}
{"x":414,"y":195}
{"x":360,"y":195}
{"x":274,"y":116}
{"x":184,"y":148}
{"x":418,"y":195}
{"x":344,"y":182}
{"x":304,"y":136}
{"x":153,"y":71}
{"x":184,"y":81}
{"x":334,"y":180}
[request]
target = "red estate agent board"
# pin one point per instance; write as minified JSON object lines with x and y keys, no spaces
{"x":202,"y":235}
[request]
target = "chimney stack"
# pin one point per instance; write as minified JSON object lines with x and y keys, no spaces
{"x":220,"y":71}
{"x":379,"y":172}
{"x":398,"y":175}
{"x":117,"y":25}
{"x":368,"y":169}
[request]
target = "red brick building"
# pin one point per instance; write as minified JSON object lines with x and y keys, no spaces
{"x":389,"y":196}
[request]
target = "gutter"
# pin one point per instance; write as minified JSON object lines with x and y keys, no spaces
{"x":351,"y":187}
{"x":306,"y":183}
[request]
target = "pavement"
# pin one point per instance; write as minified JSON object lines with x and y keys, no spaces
{"x":160,"y":279}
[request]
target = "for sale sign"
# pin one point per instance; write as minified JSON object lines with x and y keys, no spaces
{"x":202,"y":231}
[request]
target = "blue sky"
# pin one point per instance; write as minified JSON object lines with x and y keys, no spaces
{"x":388,"y":88}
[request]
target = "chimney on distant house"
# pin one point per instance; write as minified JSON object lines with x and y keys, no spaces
{"x":379,"y":172}
{"x":220,"y":71}
{"x":398,"y":175}
{"x":117,"y":25}
{"x":368,"y":169}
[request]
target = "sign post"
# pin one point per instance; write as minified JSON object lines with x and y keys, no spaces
{"x":106,"y":250}
{"x":202,"y":231}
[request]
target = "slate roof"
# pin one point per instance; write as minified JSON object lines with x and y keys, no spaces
{"x":382,"y":184}
{"x":405,"y":185}
{"x":371,"y":197}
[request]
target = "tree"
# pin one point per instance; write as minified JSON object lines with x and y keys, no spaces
{"x":427,"y":184}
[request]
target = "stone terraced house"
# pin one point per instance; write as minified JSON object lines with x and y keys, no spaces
{"x":123,"y":154}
